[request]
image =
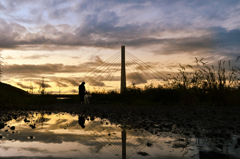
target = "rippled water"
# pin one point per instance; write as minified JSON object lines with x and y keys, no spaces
{"x":64,"y":135}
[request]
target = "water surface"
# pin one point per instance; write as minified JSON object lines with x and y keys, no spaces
{"x":65,"y":135}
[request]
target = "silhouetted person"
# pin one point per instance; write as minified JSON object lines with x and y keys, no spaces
{"x":81,"y":121}
{"x":81,"y":91}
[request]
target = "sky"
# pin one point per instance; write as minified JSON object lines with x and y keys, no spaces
{"x":62,"y":40}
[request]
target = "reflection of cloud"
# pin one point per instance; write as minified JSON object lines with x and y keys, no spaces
{"x":5,"y":148}
{"x":34,"y":150}
{"x":96,"y":149}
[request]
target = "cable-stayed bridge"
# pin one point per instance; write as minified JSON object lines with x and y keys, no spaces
{"x":121,"y":70}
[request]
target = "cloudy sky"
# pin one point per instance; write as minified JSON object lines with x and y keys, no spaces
{"x":62,"y":40}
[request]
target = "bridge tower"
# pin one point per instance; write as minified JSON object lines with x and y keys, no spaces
{"x":123,"y":70}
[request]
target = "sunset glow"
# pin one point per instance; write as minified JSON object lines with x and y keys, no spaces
{"x":62,"y":41}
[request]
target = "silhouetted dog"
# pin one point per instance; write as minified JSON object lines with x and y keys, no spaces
{"x":87,"y":98}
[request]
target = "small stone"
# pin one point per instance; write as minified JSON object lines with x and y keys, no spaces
{"x":143,"y":153}
{"x":26,"y":120}
{"x":149,"y":144}
{"x":214,"y":155}
{"x":12,"y":128}
{"x":31,"y":137}
{"x":220,"y":146}
{"x":2,"y":125}
{"x":178,"y":146}
{"x":238,"y":141}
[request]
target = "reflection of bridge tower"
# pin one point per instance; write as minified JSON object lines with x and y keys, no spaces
{"x":119,"y":140}
{"x":124,"y":147}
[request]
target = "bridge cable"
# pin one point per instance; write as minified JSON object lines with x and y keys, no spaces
{"x":149,"y":66}
{"x":102,"y":66}
{"x":133,"y":75}
{"x":110,"y":70}
{"x":141,"y":145}
{"x":114,"y":74}
{"x":106,"y":69}
{"x":136,"y":75}
{"x":100,"y":131}
{"x":144,"y":73}
{"x":109,"y":59}
{"x":97,"y":69}
{"x":142,"y":65}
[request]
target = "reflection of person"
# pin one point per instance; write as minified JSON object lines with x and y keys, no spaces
{"x":81,"y":121}
{"x":81,"y":91}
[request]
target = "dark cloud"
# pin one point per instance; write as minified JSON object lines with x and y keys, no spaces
{"x":97,"y":59}
{"x":61,"y":84}
{"x":73,"y":82}
{"x":58,"y":13}
{"x":2,"y":7}
{"x":43,"y":69}
{"x":94,"y":81}
{"x":74,"y":91}
{"x":147,"y":66}
{"x":33,"y":69}
{"x":23,"y":86}
{"x":187,"y":45}
{"x":219,"y":41}
{"x":136,"y":78}
{"x":100,"y":34}
{"x":9,"y":34}
{"x":45,"y":85}
{"x":8,"y":57}
{"x":104,"y":28}
{"x":35,"y":56}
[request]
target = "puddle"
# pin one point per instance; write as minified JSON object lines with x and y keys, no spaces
{"x":64,"y":135}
